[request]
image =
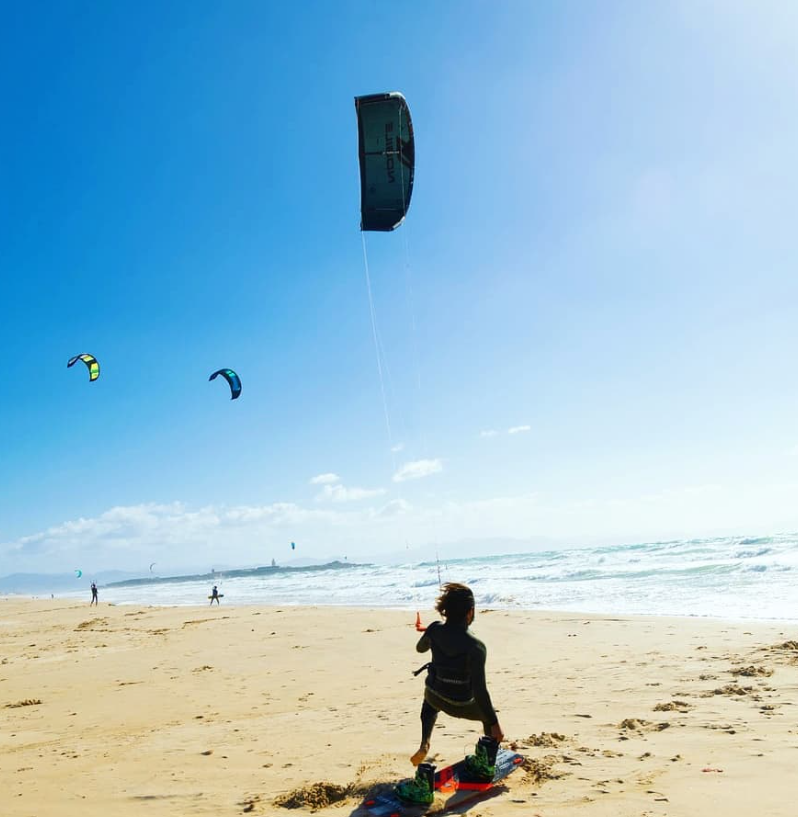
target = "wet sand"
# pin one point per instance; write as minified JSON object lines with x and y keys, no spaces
{"x":232,"y":710}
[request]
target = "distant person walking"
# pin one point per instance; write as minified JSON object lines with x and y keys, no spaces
{"x":214,"y":595}
{"x":94,"y":597}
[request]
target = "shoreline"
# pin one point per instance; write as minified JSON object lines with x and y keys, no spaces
{"x":230,"y":604}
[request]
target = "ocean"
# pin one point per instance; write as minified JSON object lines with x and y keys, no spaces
{"x":729,"y":578}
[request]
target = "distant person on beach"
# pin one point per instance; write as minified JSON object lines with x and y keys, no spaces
{"x":215,"y":595}
{"x":94,"y":597}
{"x":455,"y":685}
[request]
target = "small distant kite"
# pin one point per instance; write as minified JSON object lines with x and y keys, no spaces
{"x":91,"y":364}
{"x":232,"y":378}
{"x":152,"y":565}
{"x":293,"y":545}
{"x":78,"y":574}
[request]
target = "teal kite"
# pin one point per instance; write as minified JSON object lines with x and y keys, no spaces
{"x":78,"y":574}
{"x":387,"y":152}
{"x":233,"y":380}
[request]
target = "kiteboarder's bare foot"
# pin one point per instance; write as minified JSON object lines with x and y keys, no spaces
{"x":419,"y":756}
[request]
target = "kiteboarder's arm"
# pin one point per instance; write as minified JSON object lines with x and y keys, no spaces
{"x":424,"y":643}
{"x":479,"y":685}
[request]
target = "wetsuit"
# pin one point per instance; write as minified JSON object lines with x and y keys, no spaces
{"x":93,"y":595}
{"x":455,"y":677}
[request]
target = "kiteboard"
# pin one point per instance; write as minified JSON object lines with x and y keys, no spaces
{"x":454,"y":787}
{"x":220,"y":596}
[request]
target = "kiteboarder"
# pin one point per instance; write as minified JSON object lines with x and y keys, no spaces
{"x":456,"y":685}
{"x":215,"y":595}
{"x":94,"y":597}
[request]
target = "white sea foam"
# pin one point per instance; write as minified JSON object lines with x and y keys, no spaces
{"x":725,"y":578}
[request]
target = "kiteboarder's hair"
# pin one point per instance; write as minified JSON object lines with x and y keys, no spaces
{"x":455,"y":601}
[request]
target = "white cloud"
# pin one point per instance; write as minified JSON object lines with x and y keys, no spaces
{"x":792,"y":452}
{"x":492,"y":432}
{"x":325,"y":479}
{"x":396,"y":507}
{"x":417,"y":469}
{"x":177,"y":534}
{"x":340,"y":493}
{"x":174,"y":534}
{"x":397,"y":448}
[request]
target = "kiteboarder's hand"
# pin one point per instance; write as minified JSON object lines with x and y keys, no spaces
{"x":496,"y":732}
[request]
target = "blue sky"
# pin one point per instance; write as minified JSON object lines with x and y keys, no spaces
{"x":599,"y":255}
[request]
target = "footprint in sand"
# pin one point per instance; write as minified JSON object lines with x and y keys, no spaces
{"x":314,"y":796}
{"x":753,"y":672}
{"x":734,"y":690}
{"x":641,"y":725}
{"x":673,"y":706}
{"x":787,"y":645}
{"x":249,"y":804}
{"x":549,"y":740}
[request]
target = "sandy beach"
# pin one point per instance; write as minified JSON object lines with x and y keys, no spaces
{"x":122,"y":711}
